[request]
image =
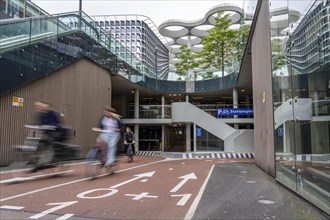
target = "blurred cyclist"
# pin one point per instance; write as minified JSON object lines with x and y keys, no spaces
{"x":111,"y":126}
{"x":49,"y":120}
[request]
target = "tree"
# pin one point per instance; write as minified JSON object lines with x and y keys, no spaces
{"x":243,"y":34}
{"x":187,"y":61}
{"x":219,"y":47}
{"x":278,"y":57}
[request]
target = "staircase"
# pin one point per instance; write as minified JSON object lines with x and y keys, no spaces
{"x":235,"y":140}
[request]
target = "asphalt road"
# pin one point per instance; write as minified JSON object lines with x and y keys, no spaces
{"x":148,"y":188}
{"x":154,"y":188}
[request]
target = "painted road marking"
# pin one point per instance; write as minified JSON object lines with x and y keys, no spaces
{"x":61,"y":205}
{"x":21,"y":179}
{"x":72,"y":182}
{"x":183,"y":200}
{"x":83,"y":194}
{"x":64,"y":217}
{"x":143,"y":181}
{"x":112,"y":189}
{"x":185,"y":179}
{"x":11,"y":207}
{"x":193,"y":206}
{"x":140,"y":196}
{"x":138,"y":176}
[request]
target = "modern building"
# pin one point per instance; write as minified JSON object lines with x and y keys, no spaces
{"x":191,"y":33}
{"x":140,"y":36}
{"x":74,"y":67}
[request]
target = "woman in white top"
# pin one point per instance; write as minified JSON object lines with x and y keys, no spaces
{"x":111,"y":126}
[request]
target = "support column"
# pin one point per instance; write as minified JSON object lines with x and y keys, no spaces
{"x":247,"y":102}
{"x":7,"y":4}
{"x":163,"y":106}
{"x":285,"y":133}
{"x":188,"y":132}
{"x":136,"y":116}
{"x":24,"y":12}
{"x":163,"y":137}
{"x":316,"y":104}
{"x":136,"y":103}
{"x":235,"y":103}
{"x":163,"y":126}
{"x":195,"y":141}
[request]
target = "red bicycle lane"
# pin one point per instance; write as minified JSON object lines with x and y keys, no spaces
{"x":158,"y":190}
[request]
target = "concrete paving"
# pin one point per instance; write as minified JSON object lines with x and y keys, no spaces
{"x":244,"y":191}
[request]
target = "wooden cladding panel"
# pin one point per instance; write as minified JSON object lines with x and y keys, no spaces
{"x":79,"y":91}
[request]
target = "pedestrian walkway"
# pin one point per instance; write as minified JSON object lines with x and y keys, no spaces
{"x":194,"y":155}
{"x":244,"y":191}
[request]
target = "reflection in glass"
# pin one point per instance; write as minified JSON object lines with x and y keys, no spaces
{"x":300,"y":37}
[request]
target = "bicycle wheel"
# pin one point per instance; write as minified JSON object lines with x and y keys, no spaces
{"x":93,"y":165}
{"x":20,"y":168}
{"x":129,"y":153}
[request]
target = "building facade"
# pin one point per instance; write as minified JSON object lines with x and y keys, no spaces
{"x":139,"y":36}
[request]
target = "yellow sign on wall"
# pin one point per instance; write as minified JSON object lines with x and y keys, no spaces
{"x":17,"y":101}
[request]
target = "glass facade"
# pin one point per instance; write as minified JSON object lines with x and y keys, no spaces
{"x":140,"y":36}
{"x":205,"y":141}
{"x":19,"y":9}
{"x":300,"y":43}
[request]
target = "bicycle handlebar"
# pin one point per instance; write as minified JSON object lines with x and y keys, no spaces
{"x":41,"y":127}
{"x":100,"y":130}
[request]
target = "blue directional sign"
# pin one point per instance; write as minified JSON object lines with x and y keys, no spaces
{"x":235,"y":111}
{"x":280,"y":132}
{"x":198,"y":132}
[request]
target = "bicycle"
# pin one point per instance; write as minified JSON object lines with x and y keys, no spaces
{"x":129,"y":152}
{"x":35,"y":155}
{"x":96,"y":160}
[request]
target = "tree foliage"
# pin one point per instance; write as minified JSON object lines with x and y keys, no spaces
{"x":187,"y":61}
{"x":278,"y":57}
{"x":220,"y":45}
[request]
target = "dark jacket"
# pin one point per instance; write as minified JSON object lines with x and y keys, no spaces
{"x":51,"y":118}
{"x":129,"y":137}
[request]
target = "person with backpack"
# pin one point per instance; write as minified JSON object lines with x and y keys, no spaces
{"x":129,"y":141}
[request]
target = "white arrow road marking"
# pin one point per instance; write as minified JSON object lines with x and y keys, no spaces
{"x":183,"y":200}
{"x":185,"y":179}
{"x":140,"y":196}
{"x":61,"y":205}
{"x":138,"y":176}
{"x":21,"y":179}
{"x":11,"y":207}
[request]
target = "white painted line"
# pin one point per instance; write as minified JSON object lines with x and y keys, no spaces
{"x":140,"y":196}
{"x":20,"y":179}
{"x":11,"y":207}
{"x":65,"y":217}
{"x":183,"y":200}
{"x":138,"y":176}
{"x":170,"y":169}
{"x":72,"y":182}
{"x":61,"y":205}
{"x":193,"y":206}
{"x":143,"y":181}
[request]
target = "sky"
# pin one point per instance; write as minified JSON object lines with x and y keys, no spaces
{"x":157,"y":10}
